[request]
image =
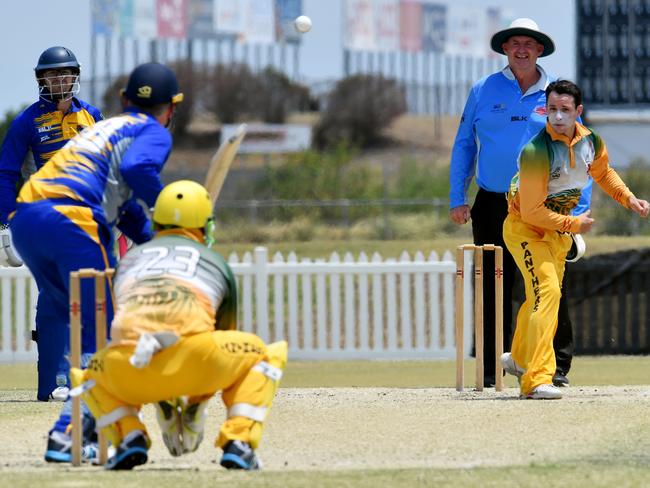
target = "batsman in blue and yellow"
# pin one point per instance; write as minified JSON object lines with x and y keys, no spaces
{"x":67,"y":210}
{"x":172,"y":293}
{"x":34,"y":136}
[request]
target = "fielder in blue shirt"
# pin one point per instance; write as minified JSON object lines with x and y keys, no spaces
{"x":67,"y":210}
{"x":503,"y":111}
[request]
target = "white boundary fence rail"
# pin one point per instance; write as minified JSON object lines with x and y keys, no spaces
{"x":336,"y":309}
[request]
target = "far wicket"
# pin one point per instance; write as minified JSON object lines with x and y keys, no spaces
{"x":100,"y":278}
{"x":478,"y":313}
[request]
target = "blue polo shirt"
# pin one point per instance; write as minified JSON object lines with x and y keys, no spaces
{"x":34,"y":136}
{"x":497,"y":122}
{"x":489,"y":137}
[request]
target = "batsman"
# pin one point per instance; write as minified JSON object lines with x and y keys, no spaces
{"x":33,"y":138}
{"x":174,"y":344}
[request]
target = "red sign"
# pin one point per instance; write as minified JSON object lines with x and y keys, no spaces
{"x":410,"y":25}
{"x":172,"y":18}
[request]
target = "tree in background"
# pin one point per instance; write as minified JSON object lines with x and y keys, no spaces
{"x":111,"y":104}
{"x":186,"y":75}
{"x":321,"y":176}
{"x":9,"y":117}
{"x":611,"y":218}
{"x":359,"y":108}
{"x":236,"y":93}
{"x":232,"y":93}
{"x":280,"y":96}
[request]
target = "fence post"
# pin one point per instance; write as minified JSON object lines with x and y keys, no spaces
{"x":346,"y":212}
{"x":253,"y":204}
{"x":7,"y":352}
{"x":261,"y":292}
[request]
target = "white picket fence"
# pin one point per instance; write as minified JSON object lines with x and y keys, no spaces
{"x":19,"y":292}
{"x":368,"y":308}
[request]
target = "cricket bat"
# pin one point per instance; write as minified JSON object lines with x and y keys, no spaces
{"x":221,"y":161}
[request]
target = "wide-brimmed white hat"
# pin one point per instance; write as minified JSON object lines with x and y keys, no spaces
{"x":522,"y":27}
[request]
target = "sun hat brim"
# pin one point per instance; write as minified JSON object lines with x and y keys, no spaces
{"x":502,"y":36}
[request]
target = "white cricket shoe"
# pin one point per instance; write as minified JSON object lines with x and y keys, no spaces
{"x":510,"y":366}
{"x":544,"y":392}
{"x":60,"y":394}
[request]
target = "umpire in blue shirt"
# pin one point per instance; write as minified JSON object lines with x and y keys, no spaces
{"x":502,"y":111}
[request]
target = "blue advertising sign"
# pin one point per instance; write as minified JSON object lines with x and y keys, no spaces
{"x":434,"y":27}
{"x":286,"y":12}
{"x":103,"y":16}
{"x":126,"y":24}
{"x":201,"y":22}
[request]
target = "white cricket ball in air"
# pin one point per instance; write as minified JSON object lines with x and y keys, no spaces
{"x":302,"y":23}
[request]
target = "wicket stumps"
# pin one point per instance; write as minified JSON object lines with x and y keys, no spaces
{"x":100,"y":278}
{"x":478,"y":313}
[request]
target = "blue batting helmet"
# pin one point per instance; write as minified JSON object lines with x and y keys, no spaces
{"x":57,"y":57}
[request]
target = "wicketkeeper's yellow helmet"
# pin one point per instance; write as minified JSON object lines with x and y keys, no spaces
{"x":185,"y":204}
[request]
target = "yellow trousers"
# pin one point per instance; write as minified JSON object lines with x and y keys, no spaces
{"x":540,"y":255}
{"x":197,"y":366}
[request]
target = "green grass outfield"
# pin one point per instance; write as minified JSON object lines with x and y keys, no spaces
{"x":590,"y":370}
{"x":394,"y":248}
{"x":619,"y":465}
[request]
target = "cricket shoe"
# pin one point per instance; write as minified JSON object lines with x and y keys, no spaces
{"x":544,"y":392}
{"x":510,"y":366}
{"x":131,"y":452}
{"x":240,"y":455}
{"x":60,"y":394}
{"x":59,"y":449}
{"x":560,"y":380}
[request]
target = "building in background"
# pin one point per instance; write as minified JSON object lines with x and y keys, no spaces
{"x":141,"y":29}
{"x":437,"y":49}
{"x":125,"y":33}
{"x":613,"y":57}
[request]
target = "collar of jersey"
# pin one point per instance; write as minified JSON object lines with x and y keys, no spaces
{"x":580,"y":133}
{"x":541,"y":84}
{"x":194,"y":234}
{"x":75,"y":106}
{"x":138,"y":110}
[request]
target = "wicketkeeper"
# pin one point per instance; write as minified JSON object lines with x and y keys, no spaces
{"x":171,"y":294}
